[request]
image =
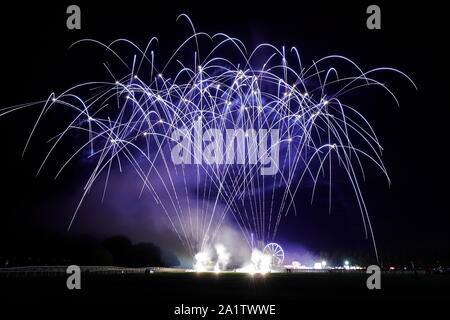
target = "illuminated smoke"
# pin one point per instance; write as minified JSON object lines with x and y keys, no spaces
{"x":223,"y":258}
{"x":259,"y":263}
{"x":207,"y":261}
{"x":202,"y":262}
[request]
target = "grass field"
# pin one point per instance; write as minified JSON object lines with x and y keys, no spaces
{"x":135,"y":294}
{"x":210,"y":287}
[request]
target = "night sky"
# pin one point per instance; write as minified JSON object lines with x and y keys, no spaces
{"x":410,"y":217}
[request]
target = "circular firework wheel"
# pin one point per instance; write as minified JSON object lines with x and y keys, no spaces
{"x":276,"y":252}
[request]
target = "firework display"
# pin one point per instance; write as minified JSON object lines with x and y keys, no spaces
{"x":224,"y":160}
{"x":243,"y":130}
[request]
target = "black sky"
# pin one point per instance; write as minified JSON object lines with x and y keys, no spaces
{"x":411,"y":217}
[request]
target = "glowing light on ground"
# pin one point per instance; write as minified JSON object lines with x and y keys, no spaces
{"x":259,"y":263}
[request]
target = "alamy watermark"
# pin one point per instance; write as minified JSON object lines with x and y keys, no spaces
{"x":74,"y":280}
{"x":373,"y":22}
{"x":226,"y":147}
{"x":74,"y":20}
{"x":374,"y":280}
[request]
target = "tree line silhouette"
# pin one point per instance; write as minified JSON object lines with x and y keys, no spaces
{"x":40,"y":248}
